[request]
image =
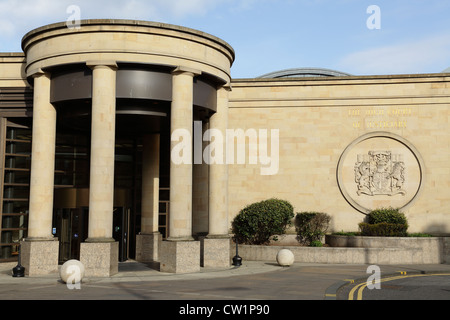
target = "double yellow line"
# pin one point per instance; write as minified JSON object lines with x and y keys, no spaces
{"x":360,"y":287}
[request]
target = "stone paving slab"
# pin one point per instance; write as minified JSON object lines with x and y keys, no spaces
{"x":254,"y":280}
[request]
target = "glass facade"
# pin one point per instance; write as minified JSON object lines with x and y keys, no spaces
{"x":16,"y":187}
{"x":70,"y":220}
{"x":72,"y":160}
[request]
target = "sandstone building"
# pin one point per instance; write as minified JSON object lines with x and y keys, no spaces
{"x":88,"y":119}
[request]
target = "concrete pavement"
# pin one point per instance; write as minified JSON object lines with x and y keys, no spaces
{"x":257,"y":289}
{"x":254,"y":280}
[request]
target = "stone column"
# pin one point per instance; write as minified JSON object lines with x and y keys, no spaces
{"x":99,"y":253}
{"x":40,"y":251}
{"x":148,"y":240}
{"x":180,"y":253}
{"x":216,"y":246}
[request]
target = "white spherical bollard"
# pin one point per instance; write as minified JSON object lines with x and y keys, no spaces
{"x":72,"y":272}
{"x":285,"y":258}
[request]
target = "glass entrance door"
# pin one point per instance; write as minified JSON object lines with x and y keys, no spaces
{"x":71,"y":230}
{"x":121,"y":223}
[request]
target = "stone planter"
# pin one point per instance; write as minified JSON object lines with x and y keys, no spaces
{"x":359,"y":250}
{"x":381,"y":242}
{"x":429,"y":248}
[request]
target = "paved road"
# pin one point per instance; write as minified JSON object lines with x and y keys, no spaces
{"x":254,"y":281}
{"x":415,"y":286}
{"x":257,"y":284}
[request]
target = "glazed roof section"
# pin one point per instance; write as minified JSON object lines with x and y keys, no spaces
{"x":305,"y":72}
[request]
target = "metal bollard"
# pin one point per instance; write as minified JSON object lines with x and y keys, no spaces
{"x":237,"y":261}
{"x":19,"y":270}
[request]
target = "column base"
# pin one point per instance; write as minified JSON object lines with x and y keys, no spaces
{"x":147,"y":247}
{"x":180,"y":256}
{"x":39,"y":257}
{"x":100,"y":259}
{"x":215,"y":252}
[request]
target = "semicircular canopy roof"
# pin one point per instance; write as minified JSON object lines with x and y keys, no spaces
{"x":305,"y":72}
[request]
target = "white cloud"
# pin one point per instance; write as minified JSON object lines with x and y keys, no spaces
{"x":20,"y":16}
{"x":17,"y":11}
{"x":15,"y":15}
{"x":431,"y":54}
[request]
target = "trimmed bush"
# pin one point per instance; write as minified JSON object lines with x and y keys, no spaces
{"x":388,"y":215}
{"x":311,"y":226}
{"x":383,"y":229}
{"x":348,"y":234}
{"x":385,"y":222}
{"x":256,"y":223}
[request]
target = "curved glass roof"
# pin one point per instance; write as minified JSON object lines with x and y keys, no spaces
{"x":305,"y":72}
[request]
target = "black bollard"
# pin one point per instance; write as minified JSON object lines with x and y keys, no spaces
{"x":19,"y":270}
{"x":237,"y":261}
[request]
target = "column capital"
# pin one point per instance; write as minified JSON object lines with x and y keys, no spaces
{"x":37,"y":73}
{"x":102,"y":63}
{"x":226,"y":87}
{"x":181,"y":70}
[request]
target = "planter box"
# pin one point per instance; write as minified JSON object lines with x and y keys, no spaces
{"x":382,"y":242}
{"x":431,"y":248}
{"x":357,"y":250}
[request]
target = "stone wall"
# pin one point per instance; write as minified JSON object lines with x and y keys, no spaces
{"x":446,"y":250}
{"x":321,"y":118}
{"x":12,"y":70}
{"x":398,"y":251}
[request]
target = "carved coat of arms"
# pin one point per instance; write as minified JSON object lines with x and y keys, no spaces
{"x":380,"y":173}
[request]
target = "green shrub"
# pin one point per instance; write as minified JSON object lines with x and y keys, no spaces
{"x":345,"y":233}
{"x":388,"y":215}
{"x":383,"y":229}
{"x":385,"y":222}
{"x":420,"y":235}
{"x":316,"y":243}
{"x":256,"y":223}
{"x":311,"y":226}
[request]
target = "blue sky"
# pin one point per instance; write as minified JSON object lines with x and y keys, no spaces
{"x":272,"y":35}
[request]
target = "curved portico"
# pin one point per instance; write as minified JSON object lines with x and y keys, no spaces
{"x":128,"y":77}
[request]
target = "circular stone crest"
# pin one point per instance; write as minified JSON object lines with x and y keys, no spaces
{"x":380,"y":170}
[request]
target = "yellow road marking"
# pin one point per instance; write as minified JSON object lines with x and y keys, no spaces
{"x":350,"y":280}
{"x":360,"y":287}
